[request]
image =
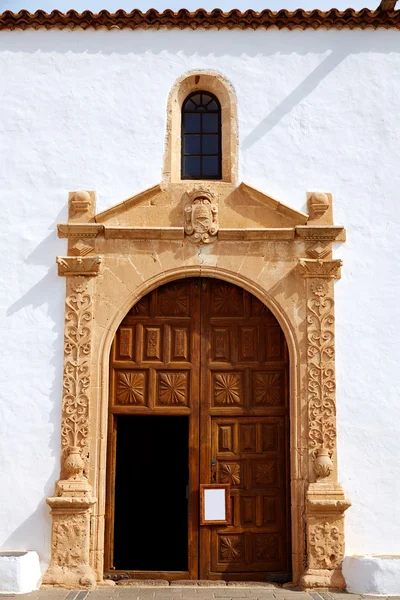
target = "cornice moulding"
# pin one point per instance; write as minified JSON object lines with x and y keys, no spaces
{"x":79,"y":230}
{"x":328,"y":505}
{"x":332,"y":233}
{"x":144,"y":233}
{"x":284,"y":233}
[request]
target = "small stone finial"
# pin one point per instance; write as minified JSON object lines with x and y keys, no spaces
{"x":318,"y":204}
{"x":81,"y":201}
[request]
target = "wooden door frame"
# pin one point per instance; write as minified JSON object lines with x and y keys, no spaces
{"x":123,"y":264}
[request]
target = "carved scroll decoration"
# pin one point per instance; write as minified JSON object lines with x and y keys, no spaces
{"x":321,"y":384}
{"x":76,"y":379}
{"x":321,"y":370}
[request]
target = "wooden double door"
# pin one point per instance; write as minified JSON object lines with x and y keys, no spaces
{"x":198,"y":394}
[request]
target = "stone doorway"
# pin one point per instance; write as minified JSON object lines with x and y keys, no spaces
{"x":282,"y":257}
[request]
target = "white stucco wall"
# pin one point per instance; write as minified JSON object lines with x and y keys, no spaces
{"x":317,"y":111}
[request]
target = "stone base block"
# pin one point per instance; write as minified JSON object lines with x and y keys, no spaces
{"x":19,"y":572}
{"x":323,"y":579}
{"x":81,"y":577}
{"x":372,"y":574}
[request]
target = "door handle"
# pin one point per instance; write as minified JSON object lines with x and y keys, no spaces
{"x":213,"y":470}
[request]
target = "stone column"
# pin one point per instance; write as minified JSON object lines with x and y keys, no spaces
{"x":72,"y":502}
{"x":325,"y":500}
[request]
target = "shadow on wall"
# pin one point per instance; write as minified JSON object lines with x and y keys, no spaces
{"x":307,"y":86}
{"x":35,"y":532}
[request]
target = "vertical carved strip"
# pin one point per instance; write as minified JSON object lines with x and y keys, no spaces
{"x":321,"y":366}
{"x":77,"y":371}
{"x":321,"y":401}
{"x":72,"y":502}
{"x":325,"y":503}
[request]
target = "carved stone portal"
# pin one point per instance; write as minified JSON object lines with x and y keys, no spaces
{"x":297,"y":285}
{"x":201,"y":217}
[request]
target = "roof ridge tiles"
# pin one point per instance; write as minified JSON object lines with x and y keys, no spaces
{"x":202,"y":19}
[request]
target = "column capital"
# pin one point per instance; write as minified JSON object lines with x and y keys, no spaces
{"x":87,"y":266}
{"x":324,"y":269}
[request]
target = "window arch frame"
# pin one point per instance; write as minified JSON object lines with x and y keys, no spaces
{"x":202,"y":134}
{"x":217,"y":84}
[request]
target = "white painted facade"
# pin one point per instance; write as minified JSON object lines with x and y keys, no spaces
{"x":87,"y":110}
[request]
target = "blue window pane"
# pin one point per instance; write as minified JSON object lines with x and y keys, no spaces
{"x":206,"y":99}
{"x":210,"y":144}
{"x":210,"y":123}
{"x":212,"y":106}
{"x":210,"y":166}
{"x":191,"y":166}
{"x":191,"y":144}
{"x":196,"y":99}
{"x":191,"y":123}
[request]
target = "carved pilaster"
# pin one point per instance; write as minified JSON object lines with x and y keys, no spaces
{"x":71,"y":506}
{"x":325,"y":498}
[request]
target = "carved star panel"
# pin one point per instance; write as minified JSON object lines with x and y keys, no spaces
{"x":231,"y":548}
{"x":174,"y":300}
{"x":131,"y":388}
{"x":228,"y":389}
{"x":141,"y":308}
{"x":172,"y":388}
{"x":264,"y":473}
{"x":265,"y":547}
{"x":231,"y":473}
{"x":227,"y":300}
{"x":268,"y":388}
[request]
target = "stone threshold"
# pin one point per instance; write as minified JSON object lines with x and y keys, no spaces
{"x":191,"y":583}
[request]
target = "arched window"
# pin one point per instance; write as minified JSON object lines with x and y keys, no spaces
{"x":201,"y":137}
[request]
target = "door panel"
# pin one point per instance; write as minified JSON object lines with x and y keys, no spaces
{"x":154,"y":370}
{"x":244,"y":419}
{"x":210,"y":350}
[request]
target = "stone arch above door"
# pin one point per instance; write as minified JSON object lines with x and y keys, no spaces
{"x":282,"y":256}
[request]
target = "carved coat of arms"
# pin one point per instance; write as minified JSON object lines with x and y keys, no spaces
{"x":201,"y":218}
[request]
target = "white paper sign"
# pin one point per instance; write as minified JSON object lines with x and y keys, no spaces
{"x":214,"y":505}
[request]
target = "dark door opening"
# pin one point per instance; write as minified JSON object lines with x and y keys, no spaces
{"x":151,"y":506}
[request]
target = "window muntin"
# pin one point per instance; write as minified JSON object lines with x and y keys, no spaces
{"x":201,"y":137}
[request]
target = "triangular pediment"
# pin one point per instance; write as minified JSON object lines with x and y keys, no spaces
{"x":241,"y":207}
